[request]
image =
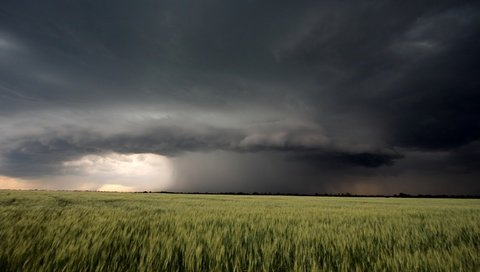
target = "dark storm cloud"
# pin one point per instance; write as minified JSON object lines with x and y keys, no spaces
{"x":330,"y":92}
{"x":415,"y":66}
{"x":41,"y":152}
{"x":380,"y":158}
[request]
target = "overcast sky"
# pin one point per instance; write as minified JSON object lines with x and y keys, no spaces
{"x":366,"y":97}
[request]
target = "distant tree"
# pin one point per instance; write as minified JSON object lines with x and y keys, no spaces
{"x":403,"y":195}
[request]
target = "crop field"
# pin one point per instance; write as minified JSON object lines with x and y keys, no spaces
{"x":92,"y":231}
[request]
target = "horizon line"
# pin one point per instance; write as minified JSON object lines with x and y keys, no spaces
{"x":398,"y":195}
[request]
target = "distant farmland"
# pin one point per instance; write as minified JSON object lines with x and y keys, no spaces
{"x":73,"y":231}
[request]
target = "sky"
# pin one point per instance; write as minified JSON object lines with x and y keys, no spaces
{"x":365,"y":97}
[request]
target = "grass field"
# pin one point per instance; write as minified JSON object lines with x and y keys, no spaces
{"x":82,"y":231}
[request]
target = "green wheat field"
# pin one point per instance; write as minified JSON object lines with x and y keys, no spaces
{"x":93,"y":231}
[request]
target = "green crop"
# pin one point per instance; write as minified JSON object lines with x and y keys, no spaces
{"x":91,"y":231}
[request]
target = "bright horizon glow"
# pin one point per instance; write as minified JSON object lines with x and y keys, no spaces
{"x":115,"y":188}
{"x":103,"y":172}
{"x":10,"y":183}
{"x":123,"y":172}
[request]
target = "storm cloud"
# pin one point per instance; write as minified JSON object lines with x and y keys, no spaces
{"x":272,"y":96}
